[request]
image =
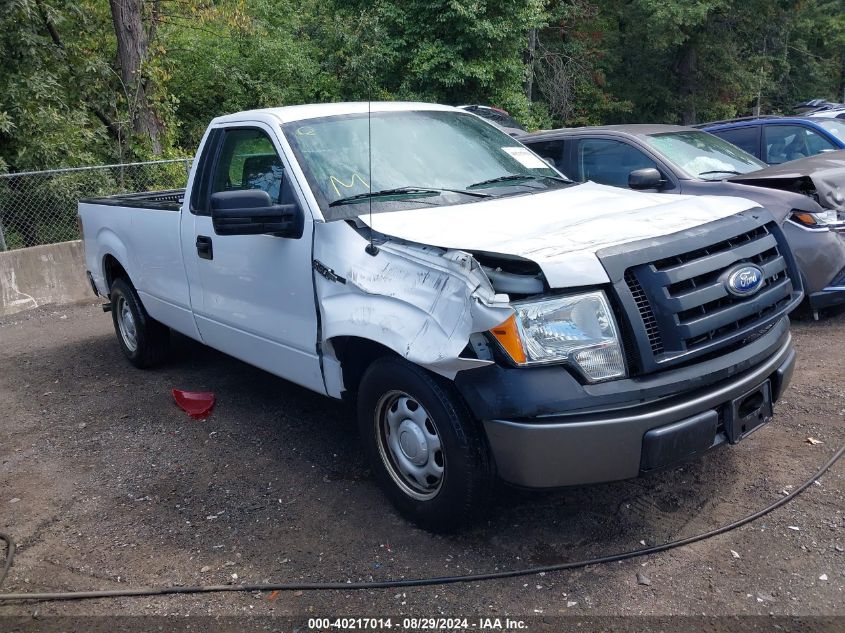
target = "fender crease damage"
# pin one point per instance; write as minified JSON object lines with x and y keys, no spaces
{"x":422,"y":302}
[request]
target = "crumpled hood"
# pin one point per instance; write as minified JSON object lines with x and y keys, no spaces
{"x":560,"y":230}
{"x":823,"y":172}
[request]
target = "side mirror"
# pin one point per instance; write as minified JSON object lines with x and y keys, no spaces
{"x":251,"y":212}
{"x":648,"y":178}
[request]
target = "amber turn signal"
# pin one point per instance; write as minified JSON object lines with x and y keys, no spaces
{"x":806,"y":219}
{"x":508,"y":336}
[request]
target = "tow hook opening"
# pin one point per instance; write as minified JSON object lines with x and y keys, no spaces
{"x":749,"y":412}
{"x":751,"y":404}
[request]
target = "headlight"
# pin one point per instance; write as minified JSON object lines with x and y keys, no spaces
{"x":818,"y":220}
{"x":578,"y":329}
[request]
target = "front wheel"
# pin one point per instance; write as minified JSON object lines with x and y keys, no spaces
{"x":426,"y":451}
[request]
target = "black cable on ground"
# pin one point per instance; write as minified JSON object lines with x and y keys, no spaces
{"x":414,"y":582}
{"x":10,"y":555}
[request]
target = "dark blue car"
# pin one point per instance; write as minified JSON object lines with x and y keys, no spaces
{"x":776,"y":140}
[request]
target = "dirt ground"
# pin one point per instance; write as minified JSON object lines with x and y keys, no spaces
{"x":105,"y":483}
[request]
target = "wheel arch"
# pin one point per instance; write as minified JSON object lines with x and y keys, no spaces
{"x":113,"y":269}
{"x":114,"y":261}
{"x":353,"y":355}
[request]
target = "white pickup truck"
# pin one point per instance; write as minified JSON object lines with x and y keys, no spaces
{"x":487,"y":317}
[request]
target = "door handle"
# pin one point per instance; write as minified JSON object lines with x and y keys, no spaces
{"x":204,"y":248}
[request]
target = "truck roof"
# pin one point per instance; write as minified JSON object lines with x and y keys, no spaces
{"x":287,"y":114}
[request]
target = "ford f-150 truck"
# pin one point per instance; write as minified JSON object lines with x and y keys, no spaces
{"x":486,"y":316}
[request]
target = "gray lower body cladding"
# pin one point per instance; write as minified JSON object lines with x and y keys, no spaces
{"x":547,"y":430}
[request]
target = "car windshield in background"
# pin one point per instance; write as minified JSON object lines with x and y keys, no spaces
{"x":419,"y":158}
{"x":703,"y":155}
{"x":835,"y":127}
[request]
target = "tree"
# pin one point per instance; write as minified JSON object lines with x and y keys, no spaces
{"x":451,"y":51}
{"x":85,"y":81}
{"x":570,"y":64}
{"x":133,"y":39}
{"x":49,"y":111}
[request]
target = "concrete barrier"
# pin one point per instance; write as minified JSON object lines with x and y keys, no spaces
{"x":53,"y":273}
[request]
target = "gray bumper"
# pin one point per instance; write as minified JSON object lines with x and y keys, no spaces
{"x":606,"y":446}
{"x":827,"y":298}
{"x":831,"y":295}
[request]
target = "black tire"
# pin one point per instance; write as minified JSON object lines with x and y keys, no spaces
{"x":151,"y":338}
{"x":468,"y":475}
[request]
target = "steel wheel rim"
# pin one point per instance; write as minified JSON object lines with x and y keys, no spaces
{"x":409,"y":445}
{"x":126,"y":324}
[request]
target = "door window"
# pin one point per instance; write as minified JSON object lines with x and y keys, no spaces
{"x":248,"y":160}
{"x":790,"y":142}
{"x":552,"y":151}
{"x":747,"y":138}
{"x":609,"y":162}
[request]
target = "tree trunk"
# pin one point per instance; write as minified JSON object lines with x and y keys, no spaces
{"x":843,"y":76}
{"x":687,"y":67}
{"x":529,"y":77}
{"x":132,"y":44}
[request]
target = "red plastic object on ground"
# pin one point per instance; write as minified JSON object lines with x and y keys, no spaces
{"x":197,"y":404}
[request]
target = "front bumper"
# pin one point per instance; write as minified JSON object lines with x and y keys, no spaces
{"x":827,"y":298}
{"x":831,"y":295}
{"x":621,"y":429}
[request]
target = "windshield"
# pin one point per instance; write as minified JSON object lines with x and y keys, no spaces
{"x":837,"y":128}
{"x":703,"y":155}
{"x":444,"y":153}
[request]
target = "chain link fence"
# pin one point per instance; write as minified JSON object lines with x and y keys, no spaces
{"x":39,"y":207}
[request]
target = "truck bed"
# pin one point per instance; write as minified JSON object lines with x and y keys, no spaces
{"x":167,"y":200}
{"x":142,"y":231}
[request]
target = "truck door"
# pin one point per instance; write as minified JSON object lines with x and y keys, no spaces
{"x":252,"y":295}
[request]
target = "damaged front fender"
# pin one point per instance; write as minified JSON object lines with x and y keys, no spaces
{"x":421,"y":302}
{"x":821,"y":177}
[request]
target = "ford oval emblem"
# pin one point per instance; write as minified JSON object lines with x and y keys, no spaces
{"x":743,"y":280}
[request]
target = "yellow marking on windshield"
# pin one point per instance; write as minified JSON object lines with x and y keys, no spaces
{"x":335,"y":181}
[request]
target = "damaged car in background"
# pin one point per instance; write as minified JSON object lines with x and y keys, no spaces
{"x":820,"y":177}
{"x":486,"y":317}
{"x":805,"y":195}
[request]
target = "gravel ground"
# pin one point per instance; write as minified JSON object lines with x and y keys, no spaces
{"x":105,"y":483}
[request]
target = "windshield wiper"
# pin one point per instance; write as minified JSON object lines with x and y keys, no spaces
{"x":515,"y":177}
{"x":401,"y":191}
{"x":721,"y":171}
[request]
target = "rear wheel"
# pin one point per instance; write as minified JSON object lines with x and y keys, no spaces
{"x":144,"y":341}
{"x":426,"y":451}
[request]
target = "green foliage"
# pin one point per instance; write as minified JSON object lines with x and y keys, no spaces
{"x":687,"y":61}
{"x":451,"y":51}
{"x":595,"y":61}
{"x":43,"y":120}
{"x":811,"y":57}
{"x":571,"y":62}
{"x":218,"y":69}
